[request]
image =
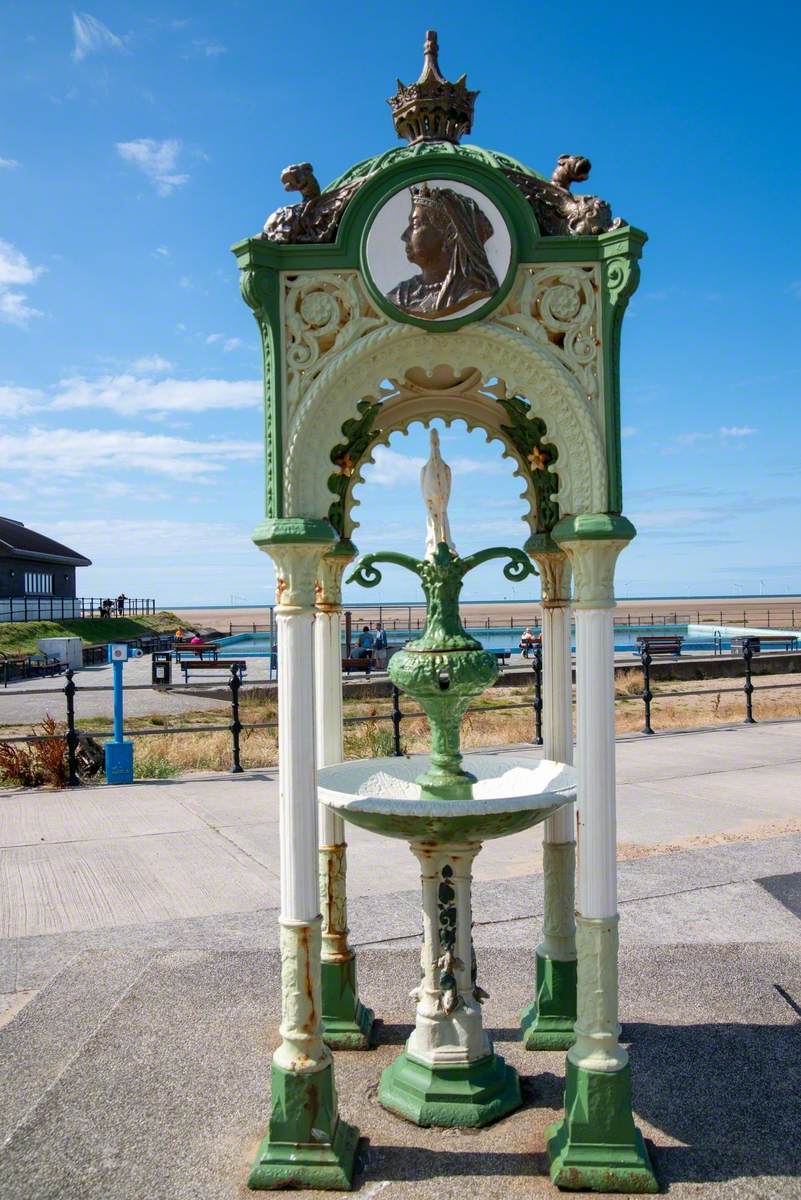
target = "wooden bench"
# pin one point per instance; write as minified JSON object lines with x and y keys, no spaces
{"x":364,"y":663}
{"x":658,"y":644}
{"x":786,"y":640}
{"x":501,"y":657}
{"x":219,"y":664}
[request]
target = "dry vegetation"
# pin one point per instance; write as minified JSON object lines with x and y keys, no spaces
{"x":161,"y":756}
{"x":371,"y":737}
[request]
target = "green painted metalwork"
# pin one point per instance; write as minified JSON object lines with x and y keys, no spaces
{"x":307,"y":1144}
{"x":463,"y":1095}
{"x":445,"y":668}
{"x":527,"y":434}
{"x":547,"y":1023}
{"x":358,"y":435}
{"x":347,"y":1023}
{"x":596,"y":1146}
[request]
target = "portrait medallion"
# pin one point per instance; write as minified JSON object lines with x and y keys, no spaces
{"x":438,"y":249}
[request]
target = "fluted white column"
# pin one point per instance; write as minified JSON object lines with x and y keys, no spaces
{"x":548,"y":1021}
{"x":296,"y":768}
{"x":597,"y":1029}
{"x":347,"y":1024}
{"x":302,"y":1048}
{"x":595,"y":738}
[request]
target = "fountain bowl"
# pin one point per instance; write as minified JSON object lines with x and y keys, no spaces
{"x":510,"y":794}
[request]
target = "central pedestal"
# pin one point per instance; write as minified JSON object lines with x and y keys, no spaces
{"x":448,"y":1074}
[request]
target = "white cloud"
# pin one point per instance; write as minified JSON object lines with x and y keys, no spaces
{"x":92,"y":36}
{"x":151,"y":363}
{"x":228,"y":344}
{"x":157,"y":160}
{"x":737,"y":431}
{"x":15,"y":272}
{"x":162,"y":251}
{"x":15,"y":401}
{"x":72,"y":453}
{"x":131,"y":394}
{"x":689,"y":439}
{"x":629,"y":431}
{"x":115,"y":540}
{"x":208,"y":49}
{"x":678,"y":519}
{"x":14,"y":266}
{"x":15,"y":310}
{"x":8,"y":163}
{"x":391,"y":469}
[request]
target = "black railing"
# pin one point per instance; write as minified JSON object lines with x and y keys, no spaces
{"x":396,"y":716}
{"x":70,"y":608}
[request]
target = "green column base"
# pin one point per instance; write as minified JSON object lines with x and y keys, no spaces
{"x":464,"y":1094}
{"x":596,"y":1146}
{"x":347,"y":1024}
{"x":547,"y":1023}
{"x":307,"y":1145}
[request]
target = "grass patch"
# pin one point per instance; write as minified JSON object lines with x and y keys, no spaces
{"x":21,"y":637}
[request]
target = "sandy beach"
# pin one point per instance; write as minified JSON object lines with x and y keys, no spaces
{"x":782,"y":612}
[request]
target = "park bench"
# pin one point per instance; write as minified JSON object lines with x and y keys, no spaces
{"x":779,"y":640}
{"x":45,"y":664}
{"x":501,"y":657}
{"x":23,"y":666}
{"x":659,"y":644}
{"x":13,"y":664}
{"x":200,"y":650}
{"x":357,"y":664}
{"x":219,"y":664}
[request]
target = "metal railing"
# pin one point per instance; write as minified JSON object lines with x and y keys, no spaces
{"x":411,"y":617}
{"x":70,"y":608}
{"x":396,"y":716}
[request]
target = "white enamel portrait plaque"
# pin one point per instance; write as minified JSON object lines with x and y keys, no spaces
{"x":438,"y":249}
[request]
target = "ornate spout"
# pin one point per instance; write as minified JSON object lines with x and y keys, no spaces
{"x":445,"y":668}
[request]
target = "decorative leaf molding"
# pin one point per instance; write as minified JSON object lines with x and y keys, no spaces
{"x":526,"y":369}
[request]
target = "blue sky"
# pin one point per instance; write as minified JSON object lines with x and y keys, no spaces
{"x":139,"y":140}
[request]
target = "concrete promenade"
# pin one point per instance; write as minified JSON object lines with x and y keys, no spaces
{"x":138,"y":950}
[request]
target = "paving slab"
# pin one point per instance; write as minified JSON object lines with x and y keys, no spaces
{"x":80,"y":885}
{"x":44,"y":1038}
{"x":168,"y":1096}
{"x":34,"y":816}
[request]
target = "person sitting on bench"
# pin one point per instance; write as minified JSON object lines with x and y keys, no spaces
{"x":365,"y":644}
{"x":527,"y":640}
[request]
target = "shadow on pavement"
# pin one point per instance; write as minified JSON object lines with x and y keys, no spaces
{"x":729,"y":1092}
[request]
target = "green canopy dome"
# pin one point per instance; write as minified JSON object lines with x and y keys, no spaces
{"x":410,"y":153}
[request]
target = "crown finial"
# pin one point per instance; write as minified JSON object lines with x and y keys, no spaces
{"x":432,"y":109}
{"x":431,"y":59}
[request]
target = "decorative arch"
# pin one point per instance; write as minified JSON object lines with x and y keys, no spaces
{"x":354,"y":379}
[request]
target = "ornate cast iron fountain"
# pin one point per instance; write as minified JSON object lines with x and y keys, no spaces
{"x":448,"y":1073}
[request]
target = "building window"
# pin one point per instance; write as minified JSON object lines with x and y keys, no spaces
{"x":38,"y":583}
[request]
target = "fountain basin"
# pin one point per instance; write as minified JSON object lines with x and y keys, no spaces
{"x":509,"y":795}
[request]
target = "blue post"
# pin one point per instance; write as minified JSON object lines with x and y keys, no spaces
{"x":119,"y":753}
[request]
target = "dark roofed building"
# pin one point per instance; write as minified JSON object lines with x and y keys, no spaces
{"x":34,"y":565}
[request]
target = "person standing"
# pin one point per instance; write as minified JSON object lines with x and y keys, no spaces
{"x":380,"y":645}
{"x":121,"y":604}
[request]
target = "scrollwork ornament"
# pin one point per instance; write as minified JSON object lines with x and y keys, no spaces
{"x":324,"y":313}
{"x":558,"y":307}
